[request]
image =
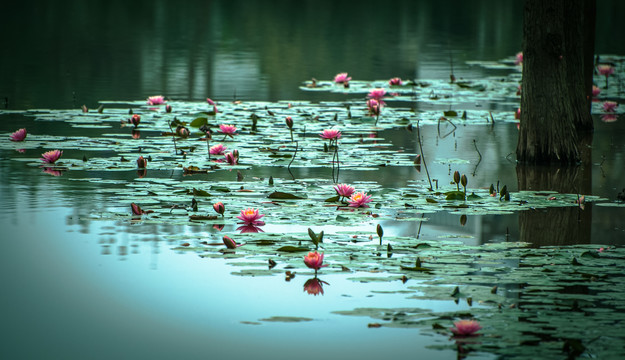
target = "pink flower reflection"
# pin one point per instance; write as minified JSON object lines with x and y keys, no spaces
{"x":314,"y":286}
{"x":249,"y":228}
{"x":52,"y":171}
{"x":610,"y":106}
{"x":608,"y":118}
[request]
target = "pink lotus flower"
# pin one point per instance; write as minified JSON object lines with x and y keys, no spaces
{"x":331,"y":134}
{"x":518,"y":58}
{"x":374,"y":107}
{"x":135,"y":119}
{"x":231,"y":159}
{"x":229,"y":130}
{"x":156,"y":100}
{"x":142,"y":163}
{"x":217,"y":149}
{"x":605,"y":69}
{"x":230,"y":244}
{"x":314,"y":286}
{"x":19,"y":135}
{"x":517,"y":114}
{"x":377,"y":94}
{"x":51,"y":156}
{"x":609,"y":106}
{"x":595,"y":91}
{"x":251,"y":216}
{"x":314,"y":260}
{"x":465,"y":328}
{"x":359,"y":199}
{"x":395,"y":82}
{"x":219,"y":208}
{"x":136,"y":210}
{"x":342,"y":78}
{"x":344,"y":190}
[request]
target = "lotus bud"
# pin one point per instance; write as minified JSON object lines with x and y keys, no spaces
{"x":219,"y":208}
{"x":230,"y":244}
{"x":380,"y":231}
{"x":135,"y":119}
{"x":456,"y":177}
{"x":463,"y":180}
{"x":289,"y":122}
{"x":168,"y":108}
{"x":142,"y":163}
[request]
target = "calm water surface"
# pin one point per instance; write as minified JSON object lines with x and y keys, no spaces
{"x":75,"y":287}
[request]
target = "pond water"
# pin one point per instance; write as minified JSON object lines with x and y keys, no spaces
{"x":85,"y":279}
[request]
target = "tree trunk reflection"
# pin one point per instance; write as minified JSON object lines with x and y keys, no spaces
{"x":557,"y":226}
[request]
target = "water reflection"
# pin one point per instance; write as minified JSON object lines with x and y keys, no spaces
{"x":314,"y":286}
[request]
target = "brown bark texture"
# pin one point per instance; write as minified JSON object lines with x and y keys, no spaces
{"x":554,"y":103}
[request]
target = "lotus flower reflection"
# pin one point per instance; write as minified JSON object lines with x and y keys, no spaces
{"x":609,"y":106}
{"x":50,"y":157}
{"x":251,"y":216}
{"x":314,"y":286}
{"x":465,"y":328}
{"x":314,"y":260}
{"x":19,"y":135}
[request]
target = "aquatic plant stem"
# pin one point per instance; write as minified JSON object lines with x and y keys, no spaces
{"x":422,"y":156}
{"x":293,"y":158}
{"x":173,"y":135}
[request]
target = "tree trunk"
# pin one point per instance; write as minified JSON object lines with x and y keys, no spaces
{"x":554,"y":97}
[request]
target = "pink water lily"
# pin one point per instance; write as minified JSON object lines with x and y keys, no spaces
{"x":518,"y":59}
{"x":230,"y":244}
{"x":342,"y":78}
{"x":605,"y":69}
{"x":136,"y":210}
{"x":52,"y":171}
{"x":359,"y":199}
{"x":465,"y":327}
{"x":595,"y":91}
{"x":219,"y":207}
{"x":314,"y":260}
{"x":156,"y":100}
{"x":217,"y":149}
{"x":251,"y":216}
{"x":229,"y":130}
{"x":609,"y":106}
{"x":608,"y":118}
{"x":331,"y":134}
{"x":374,"y":107}
{"x":344,"y":190}
{"x":231,"y":159}
{"x":395,"y":81}
{"x":19,"y":135}
{"x":51,"y":156}
{"x":377,"y":94}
